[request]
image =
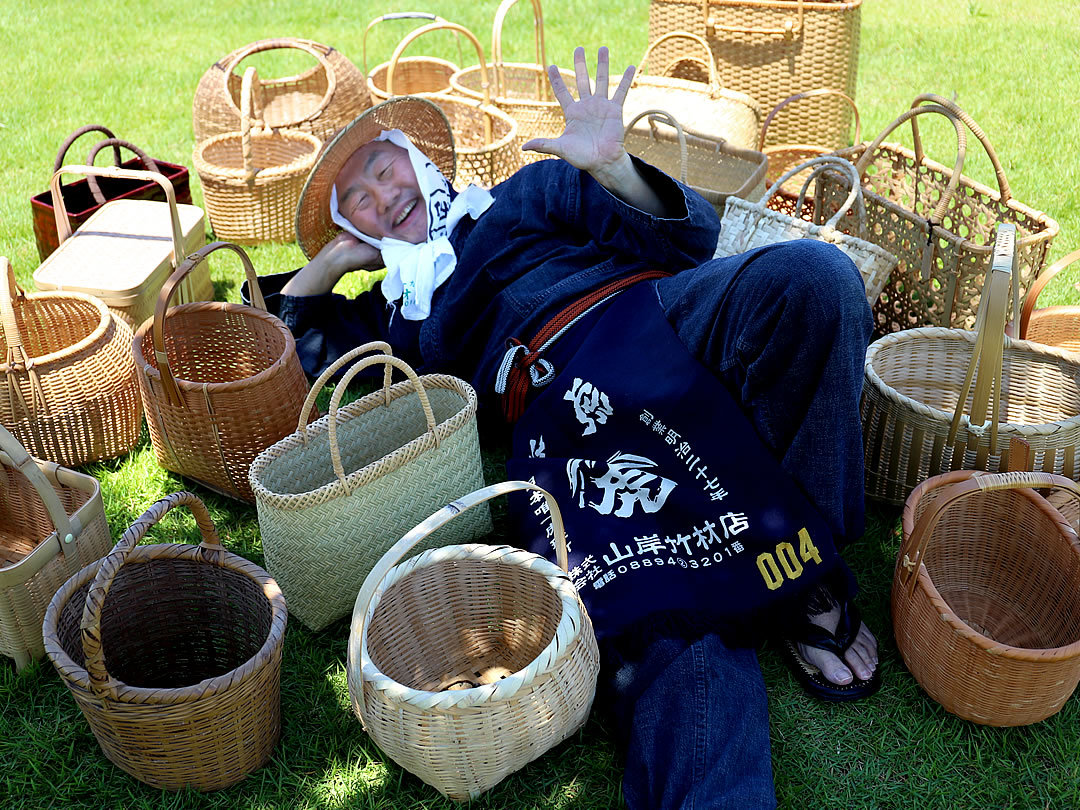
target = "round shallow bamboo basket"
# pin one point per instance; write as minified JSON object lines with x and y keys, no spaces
{"x":414,"y":75}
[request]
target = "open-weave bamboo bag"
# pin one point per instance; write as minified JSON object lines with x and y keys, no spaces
{"x":252,"y":179}
{"x":703,"y":108}
{"x":938,"y":222}
{"x":319,"y":101}
{"x":710,"y":166}
{"x":67,"y":383}
{"x":746,"y":225}
{"x":414,"y":74}
{"x":333,"y":496}
{"x":173,"y":653}
{"x":1054,"y":326}
{"x":921,"y":418}
{"x":467,"y":662}
{"x":52,"y":523}
{"x":986,"y":595}
{"x":220,"y":382}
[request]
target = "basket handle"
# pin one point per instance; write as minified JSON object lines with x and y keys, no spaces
{"x":74,"y":136}
{"x":324,"y":378}
{"x":335,"y":401}
{"x":161,"y":310}
{"x":247,"y":113}
{"x":543,"y":89}
{"x":319,"y":53}
{"x":669,"y":119}
{"x":714,"y":81}
{"x":16,"y":353}
{"x":818,"y":93}
{"x":1037,"y":287}
{"x":790,"y":29}
{"x":115,"y":143}
{"x":910,"y":559}
{"x":209,"y":550}
{"x":28,"y":466}
{"x":397,"y":15}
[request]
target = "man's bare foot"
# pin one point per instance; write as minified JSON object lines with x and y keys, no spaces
{"x":861,"y":657}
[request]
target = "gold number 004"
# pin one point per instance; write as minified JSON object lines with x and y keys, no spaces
{"x":788,"y":561}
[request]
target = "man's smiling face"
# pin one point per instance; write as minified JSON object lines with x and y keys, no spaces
{"x":378,"y":193}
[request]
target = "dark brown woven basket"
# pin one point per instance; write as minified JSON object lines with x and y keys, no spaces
{"x":173,"y":653}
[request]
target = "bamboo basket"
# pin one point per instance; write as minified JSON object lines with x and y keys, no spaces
{"x":1053,"y":326}
{"x":319,"y":101}
{"x":52,"y":523}
{"x":252,"y":179}
{"x":704,"y":109}
{"x":67,"y":384}
{"x":712,"y":167}
{"x":415,"y":75}
{"x":938,"y":222}
{"x":334,"y":495}
{"x":920,"y":416}
{"x":219,"y":382}
{"x":485,"y":138}
{"x":467,"y":662}
{"x":985,"y":598}
{"x":173,"y":654}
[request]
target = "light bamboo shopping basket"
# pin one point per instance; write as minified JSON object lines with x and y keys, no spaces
{"x":173,"y":654}
{"x":467,"y":662}
{"x":319,"y":101}
{"x":67,"y":383}
{"x":220,"y":382}
{"x":986,"y":595}
{"x":1054,"y":326}
{"x":334,"y":495}
{"x":922,"y":416}
{"x":52,"y":523}
{"x":414,"y":75}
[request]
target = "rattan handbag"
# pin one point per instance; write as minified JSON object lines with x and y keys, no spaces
{"x":467,"y":662}
{"x":1054,"y":326}
{"x":703,"y":108}
{"x":771,"y":49}
{"x":414,"y":75}
{"x":746,"y":225}
{"x":67,"y":383}
{"x":333,"y":496}
{"x":220,"y":382}
{"x":252,"y":179}
{"x":710,"y":166}
{"x":173,"y":653}
{"x":920,"y":418}
{"x":986,"y":596}
{"x":939,"y":223}
{"x":319,"y":101}
{"x":52,"y":523}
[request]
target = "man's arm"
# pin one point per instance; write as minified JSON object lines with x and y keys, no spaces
{"x":342,"y":254}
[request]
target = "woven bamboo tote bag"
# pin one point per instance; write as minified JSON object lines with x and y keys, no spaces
{"x":173,"y":654}
{"x":467,"y":662}
{"x":67,"y":383}
{"x":319,"y":101}
{"x":986,"y":595}
{"x":485,"y":138}
{"x":252,"y":179}
{"x":771,"y":49}
{"x":746,"y":225}
{"x":220,"y":382}
{"x":414,"y":74}
{"x":1054,"y":326}
{"x":52,"y":523}
{"x":710,"y":166}
{"x":703,"y":108}
{"x":938,"y":222}
{"x":921,"y":415}
{"x":333,"y":496}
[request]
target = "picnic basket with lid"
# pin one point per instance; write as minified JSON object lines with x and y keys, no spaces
{"x":319,"y":101}
{"x":413,"y":75}
{"x":173,"y":654}
{"x":986,"y":595}
{"x":220,"y":382}
{"x":469,"y":661}
{"x":334,"y":495}
{"x":1054,"y":326}
{"x":67,"y":383}
{"x":52,"y":523}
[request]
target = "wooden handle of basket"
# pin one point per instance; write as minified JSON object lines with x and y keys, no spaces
{"x":790,"y":29}
{"x":324,"y":378}
{"x":9,"y":291}
{"x":148,"y":162}
{"x":247,"y":113}
{"x":714,"y":81}
{"x":319,"y":52}
{"x":911,"y":558}
{"x":1037,"y":287}
{"x":335,"y":401}
{"x":818,"y":93}
{"x":854,"y":198}
{"x":74,"y":136}
{"x":28,"y":466}
{"x":209,"y":551}
{"x":976,"y":130}
{"x":543,"y":89}
{"x":397,"y":15}
{"x":668,"y":119}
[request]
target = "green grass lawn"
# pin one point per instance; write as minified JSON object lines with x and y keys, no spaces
{"x":134,"y":67}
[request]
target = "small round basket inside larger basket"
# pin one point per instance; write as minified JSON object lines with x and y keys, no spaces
{"x":467,"y":662}
{"x":986,"y":596}
{"x":173,"y":654}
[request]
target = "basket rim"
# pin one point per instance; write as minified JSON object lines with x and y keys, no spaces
{"x":439,"y":99}
{"x":300,"y":164}
{"x":95,"y":334}
{"x":569,"y":629}
{"x":380,"y":70}
{"x":509,"y":101}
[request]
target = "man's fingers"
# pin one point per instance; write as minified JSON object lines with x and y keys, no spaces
{"x":581,"y":72}
{"x":624,"y":85}
{"x":549,"y":146}
{"x":558,"y":87}
{"x":601,"y":73}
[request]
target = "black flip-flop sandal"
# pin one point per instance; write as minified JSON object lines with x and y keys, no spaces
{"x":837,"y":643}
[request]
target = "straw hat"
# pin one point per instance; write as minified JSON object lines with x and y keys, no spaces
{"x":421,"y":121}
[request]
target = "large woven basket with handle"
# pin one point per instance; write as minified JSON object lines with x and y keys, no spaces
{"x":414,"y":75}
{"x":173,"y":653}
{"x":467,"y":662}
{"x":986,"y":595}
